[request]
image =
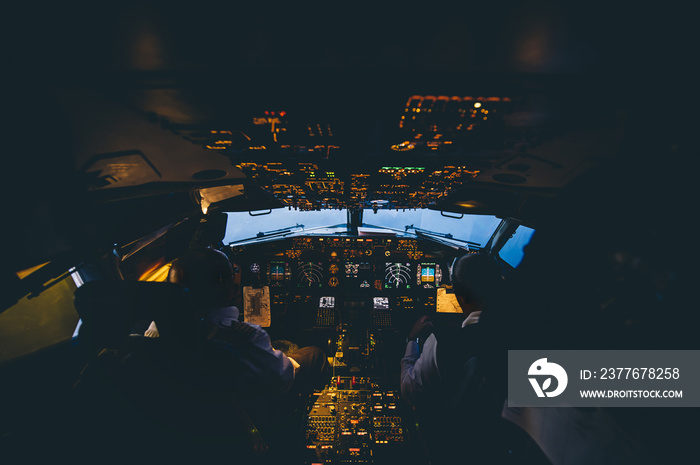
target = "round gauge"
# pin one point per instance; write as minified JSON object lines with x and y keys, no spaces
{"x":254,"y":268}
{"x":310,"y":274}
{"x":368,"y":252}
{"x":397,"y":275}
{"x":387,"y":253}
{"x":333,"y":282}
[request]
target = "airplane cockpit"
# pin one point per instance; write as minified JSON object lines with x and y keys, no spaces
{"x":343,"y":173}
{"x":356,"y":296}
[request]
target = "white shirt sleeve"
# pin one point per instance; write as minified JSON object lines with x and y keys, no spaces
{"x":420,"y":377}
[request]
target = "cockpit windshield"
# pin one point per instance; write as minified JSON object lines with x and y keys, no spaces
{"x":250,"y":225}
{"x":475,"y":229}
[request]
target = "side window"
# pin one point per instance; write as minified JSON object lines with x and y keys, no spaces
{"x":38,"y":322}
{"x":157,"y":274}
{"x":512,"y":252}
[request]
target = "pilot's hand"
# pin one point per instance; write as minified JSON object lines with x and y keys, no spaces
{"x":421,"y":328}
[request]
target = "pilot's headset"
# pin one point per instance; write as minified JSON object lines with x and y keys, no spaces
{"x":452,"y":268}
{"x":488,"y":280}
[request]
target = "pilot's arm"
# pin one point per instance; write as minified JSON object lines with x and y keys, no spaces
{"x":270,"y":362}
{"x":264,"y":364}
{"x":420,"y":377}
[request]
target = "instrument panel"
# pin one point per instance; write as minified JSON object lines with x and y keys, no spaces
{"x":347,"y":263}
{"x":359,"y":294}
{"x":327,"y":274}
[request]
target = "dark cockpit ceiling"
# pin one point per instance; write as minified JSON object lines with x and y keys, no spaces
{"x":130,"y":121}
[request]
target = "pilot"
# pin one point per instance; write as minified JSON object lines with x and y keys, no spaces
{"x":444,"y":381}
{"x":475,"y":278}
{"x":208,"y":274}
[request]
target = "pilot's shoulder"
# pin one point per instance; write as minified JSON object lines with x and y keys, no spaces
{"x":243,"y":330}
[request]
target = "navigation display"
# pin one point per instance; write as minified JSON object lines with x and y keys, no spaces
{"x":381,"y":303}
{"x":397,"y":276}
{"x":326,"y":302}
{"x":310,"y":274}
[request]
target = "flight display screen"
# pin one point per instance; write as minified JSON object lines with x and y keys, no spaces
{"x":279,"y":271}
{"x":381,"y":303}
{"x":397,"y":276}
{"x":310,"y":274}
{"x":326,"y":302}
{"x":428,"y":275}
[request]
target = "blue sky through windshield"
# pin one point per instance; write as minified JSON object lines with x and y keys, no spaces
{"x":241,"y":225}
{"x":512,"y":252}
{"x":474,"y":228}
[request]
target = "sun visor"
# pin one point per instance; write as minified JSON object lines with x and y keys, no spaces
{"x":126,"y":169}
